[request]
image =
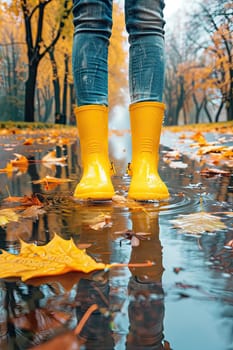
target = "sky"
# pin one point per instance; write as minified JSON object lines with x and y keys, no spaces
{"x":172,"y":6}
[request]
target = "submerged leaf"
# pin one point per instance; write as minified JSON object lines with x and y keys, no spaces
{"x":198,"y":223}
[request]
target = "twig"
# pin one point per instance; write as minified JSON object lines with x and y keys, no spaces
{"x":85,"y":318}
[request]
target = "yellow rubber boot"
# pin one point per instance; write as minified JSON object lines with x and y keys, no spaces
{"x":146,"y":120}
{"x":96,"y":184}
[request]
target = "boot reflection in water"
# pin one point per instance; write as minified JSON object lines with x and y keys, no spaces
{"x":96,"y":333}
{"x":92,"y":31}
{"x":146,"y":307}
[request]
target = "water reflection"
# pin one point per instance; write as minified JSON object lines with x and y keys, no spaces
{"x":138,"y":308}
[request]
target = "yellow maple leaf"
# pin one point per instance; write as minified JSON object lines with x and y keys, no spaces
{"x":57,"y":257}
{"x":7,"y":215}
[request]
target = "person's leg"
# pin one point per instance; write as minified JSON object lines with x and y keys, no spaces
{"x":144,"y":23}
{"x":92,"y":30}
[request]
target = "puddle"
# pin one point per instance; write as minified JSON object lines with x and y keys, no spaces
{"x":184,"y":301}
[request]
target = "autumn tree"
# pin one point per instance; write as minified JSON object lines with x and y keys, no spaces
{"x":33,"y":13}
{"x":212,"y":23}
{"x":117,"y":62}
{"x":11,"y":68}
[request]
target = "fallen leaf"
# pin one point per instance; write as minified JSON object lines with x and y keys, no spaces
{"x":20,"y":161}
{"x":66,"y":341}
{"x":50,"y":179}
{"x":33,"y":212}
{"x":177,"y":164}
{"x":199,"y":137}
{"x":8,"y":169}
{"x":198,"y":223}
{"x":172,"y":155}
{"x":7,"y":215}
{"x":100,"y":222}
{"x":57,"y":257}
{"x":208,"y":172}
{"x":51,"y":158}
{"x":211,"y":149}
{"x":28,"y":141}
{"x":40,"y":320}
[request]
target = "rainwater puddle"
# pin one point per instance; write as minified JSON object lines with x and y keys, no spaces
{"x":184,"y":301}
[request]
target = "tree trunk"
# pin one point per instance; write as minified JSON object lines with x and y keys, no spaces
{"x":65,"y":85}
{"x":30,"y":88}
{"x":56,"y":83}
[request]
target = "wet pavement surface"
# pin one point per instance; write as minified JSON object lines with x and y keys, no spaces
{"x":184,"y":301}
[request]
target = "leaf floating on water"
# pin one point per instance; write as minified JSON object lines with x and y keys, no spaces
{"x":51,"y":158}
{"x":198,"y":223}
{"x":208,"y":172}
{"x":50,"y":179}
{"x":33,"y":212}
{"x":177,"y":165}
{"x":7,"y":215}
{"x":8,"y":169}
{"x":20,"y":160}
{"x":101,"y":221}
{"x":29,"y":142}
{"x":57,"y":257}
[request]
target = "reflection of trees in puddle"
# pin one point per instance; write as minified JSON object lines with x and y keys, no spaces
{"x":48,"y":304}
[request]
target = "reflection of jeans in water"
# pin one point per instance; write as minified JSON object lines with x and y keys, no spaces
{"x":146,"y":314}
{"x":93,"y":25}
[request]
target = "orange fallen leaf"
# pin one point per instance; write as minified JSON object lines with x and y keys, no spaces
{"x":51,"y":158}
{"x":51,"y":179}
{"x":199,"y":137}
{"x":20,"y":160}
{"x":8,"y":169}
{"x":28,"y":141}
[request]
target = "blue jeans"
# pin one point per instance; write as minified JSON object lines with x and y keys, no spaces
{"x":92,"y":30}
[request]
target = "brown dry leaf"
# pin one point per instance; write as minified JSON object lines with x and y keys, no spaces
{"x":7,"y":215}
{"x":32,"y":212}
{"x":12,"y":199}
{"x":25,"y":200}
{"x":198,"y":223}
{"x":66,"y":341}
{"x":41,"y":320}
{"x":208,"y":172}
